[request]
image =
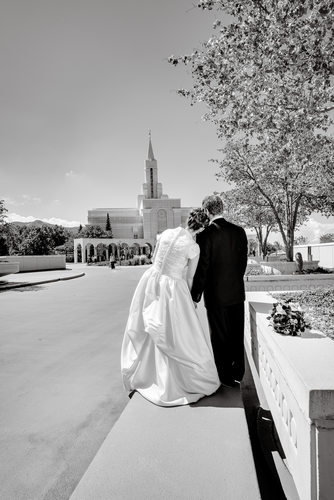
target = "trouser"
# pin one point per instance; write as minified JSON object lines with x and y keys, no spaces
{"x":227,"y":337}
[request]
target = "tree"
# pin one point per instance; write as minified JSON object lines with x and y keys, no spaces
{"x":289,"y":186}
{"x":327,"y":238}
{"x":300,"y":240}
{"x":3,"y":229}
{"x":108,"y":226}
{"x":249,"y":209}
{"x":252,"y":246}
{"x":41,"y":240}
{"x":80,"y":229}
{"x":277,"y":245}
{"x":93,"y":231}
{"x":3,"y":211}
{"x":266,"y":81}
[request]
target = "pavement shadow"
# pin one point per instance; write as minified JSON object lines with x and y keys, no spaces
{"x":264,"y":440}
{"x":225,"y":397}
{"x":22,"y":287}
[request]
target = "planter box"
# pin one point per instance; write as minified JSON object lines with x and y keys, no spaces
{"x":280,"y":267}
{"x":297,"y":378}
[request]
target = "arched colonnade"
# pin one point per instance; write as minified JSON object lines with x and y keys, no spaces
{"x":100,"y":249}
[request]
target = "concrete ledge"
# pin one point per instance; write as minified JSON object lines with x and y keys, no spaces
{"x":297,"y":379}
{"x":199,"y":451}
{"x":290,"y":277}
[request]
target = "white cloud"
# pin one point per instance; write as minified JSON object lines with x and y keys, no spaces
{"x":313,"y":229}
{"x":71,"y":173}
{"x":12,"y":217}
{"x":11,"y":201}
{"x":25,"y":199}
{"x":31,"y":199}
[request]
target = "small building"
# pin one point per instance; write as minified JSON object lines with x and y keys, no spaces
{"x":134,"y":229}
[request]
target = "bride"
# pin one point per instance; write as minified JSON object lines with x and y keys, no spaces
{"x":166,"y":356}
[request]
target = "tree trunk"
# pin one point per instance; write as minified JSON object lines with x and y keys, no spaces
{"x":289,"y":244}
{"x":259,"y":234}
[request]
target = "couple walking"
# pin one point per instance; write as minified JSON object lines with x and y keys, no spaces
{"x":166,"y":356}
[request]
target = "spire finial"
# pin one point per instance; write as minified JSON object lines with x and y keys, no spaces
{"x":150,"y":149}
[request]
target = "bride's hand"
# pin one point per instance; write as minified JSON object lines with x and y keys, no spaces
{"x":195,"y":304}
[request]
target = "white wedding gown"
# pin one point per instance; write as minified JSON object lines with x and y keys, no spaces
{"x":166,"y":356}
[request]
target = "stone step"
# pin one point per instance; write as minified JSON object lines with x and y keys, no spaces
{"x":198,"y":451}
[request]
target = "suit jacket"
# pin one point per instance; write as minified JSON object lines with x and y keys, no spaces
{"x":222,"y":264}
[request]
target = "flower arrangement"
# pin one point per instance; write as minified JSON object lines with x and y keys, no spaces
{"x":287,"y":318}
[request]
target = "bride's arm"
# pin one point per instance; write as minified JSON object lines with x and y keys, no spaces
{"x":192,"y":265}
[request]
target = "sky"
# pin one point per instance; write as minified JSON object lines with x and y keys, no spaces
{"x":82,"y":83}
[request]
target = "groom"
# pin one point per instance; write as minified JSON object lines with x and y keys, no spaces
{"x":219,"y":274}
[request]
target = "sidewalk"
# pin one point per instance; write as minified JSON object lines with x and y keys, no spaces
{"x":19,"y":280}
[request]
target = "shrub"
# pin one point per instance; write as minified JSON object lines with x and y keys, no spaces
{"x":254,"y":271}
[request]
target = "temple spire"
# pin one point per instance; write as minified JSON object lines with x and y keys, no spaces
{"x":150,"y":149}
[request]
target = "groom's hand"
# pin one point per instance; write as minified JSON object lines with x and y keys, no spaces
{"x":195,"y":304}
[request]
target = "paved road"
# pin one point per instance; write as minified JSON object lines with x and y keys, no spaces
{"x":60,"y":386}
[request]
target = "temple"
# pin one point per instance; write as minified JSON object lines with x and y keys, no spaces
{"x":134,"y":229}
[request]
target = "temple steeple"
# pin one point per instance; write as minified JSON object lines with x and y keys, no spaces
{"x":152,"y":189}
{"x":150,"y":149}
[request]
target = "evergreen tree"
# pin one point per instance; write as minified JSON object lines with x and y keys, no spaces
{"x":108,"y":226}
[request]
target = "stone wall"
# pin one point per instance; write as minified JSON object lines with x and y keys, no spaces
{"x":29,"y":263}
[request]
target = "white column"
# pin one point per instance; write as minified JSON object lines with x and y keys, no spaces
{"x":83,"y":253}
{"x":75,"y":254}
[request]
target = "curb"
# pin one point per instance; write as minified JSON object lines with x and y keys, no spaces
{"x":21,"y":285}
{"x":289,"y":277}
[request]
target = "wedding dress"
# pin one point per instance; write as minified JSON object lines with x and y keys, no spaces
{"x":166,"y":356}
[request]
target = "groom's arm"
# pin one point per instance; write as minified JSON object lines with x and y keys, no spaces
{"x":243,"y":251}
{"x":202,"y":267}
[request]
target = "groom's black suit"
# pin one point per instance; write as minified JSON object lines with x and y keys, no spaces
{"x":219,"y":274}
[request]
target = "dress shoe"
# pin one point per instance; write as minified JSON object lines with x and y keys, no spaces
{"x":230,"y":383}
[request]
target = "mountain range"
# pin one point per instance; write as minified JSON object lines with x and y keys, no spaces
{"x":39,"y":223}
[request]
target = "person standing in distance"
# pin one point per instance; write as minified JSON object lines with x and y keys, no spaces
{"x":220,"y":276}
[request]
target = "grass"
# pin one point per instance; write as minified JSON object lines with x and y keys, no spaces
{"x":318,"y":305}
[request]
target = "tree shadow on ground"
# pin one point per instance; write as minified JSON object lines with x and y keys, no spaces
{"x":22,"y":287}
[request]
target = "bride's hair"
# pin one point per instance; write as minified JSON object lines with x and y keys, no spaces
{"x":197,"y":219}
